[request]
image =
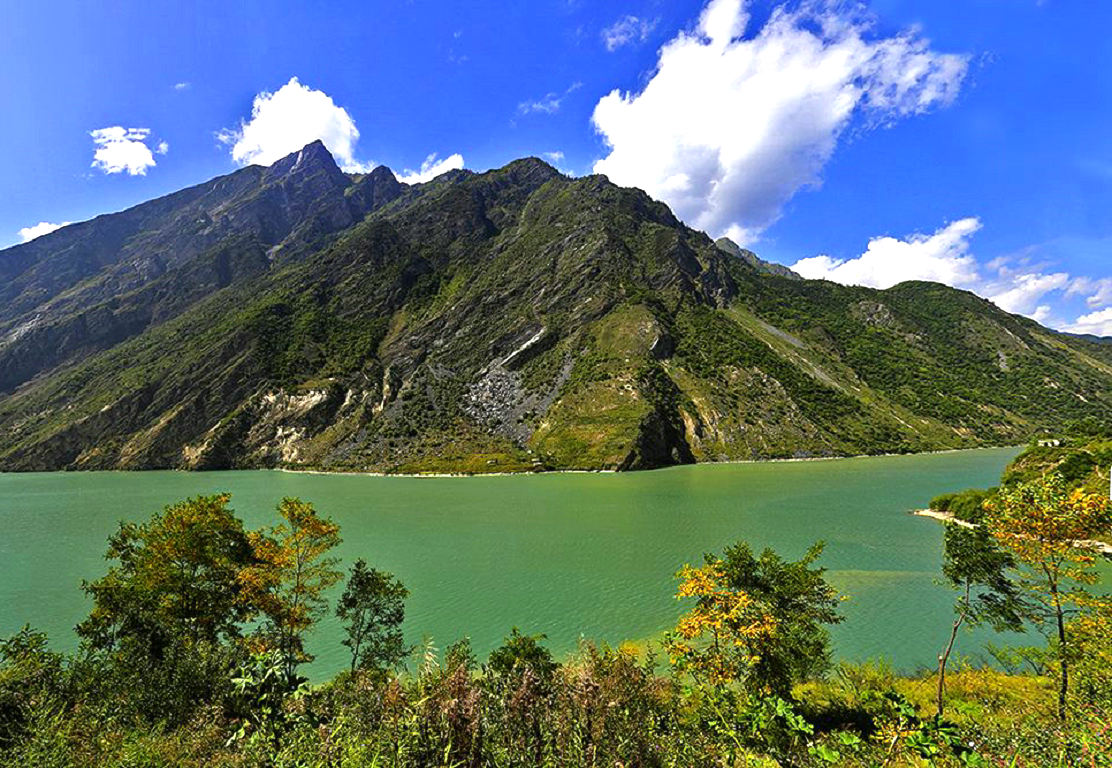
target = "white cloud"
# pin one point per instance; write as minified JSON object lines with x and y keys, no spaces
{"x":942,"y":257}
{"x":120,"y":149}
{"x":286,"y":120}
{"x":728,"y":128}
{"x":163,"y":147}
{"x":548,"y":104}
{"x":358,"y":166}
{"x":1095,"y":323}
{"x":431,"y":168}
{"x":1097,"y":293}
{"x":182,"y":86}
{"x":554,"y":157}
{"x":626,"y":30}
{"x":1022,"y":293}
{"x":945,"y":257}
{"x":42,"y":228}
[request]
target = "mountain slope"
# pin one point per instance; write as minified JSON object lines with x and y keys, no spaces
{"x":503,"y":321}
{"x":89,"y":286}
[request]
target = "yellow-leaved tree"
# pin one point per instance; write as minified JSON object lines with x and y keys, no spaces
{"x":1050,"y":529}
{"x":759,"y":619}
{"x":720,"y":637}
{"x":290,"y":577}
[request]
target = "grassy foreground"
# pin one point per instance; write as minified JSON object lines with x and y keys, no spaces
{"x":602,"y":708}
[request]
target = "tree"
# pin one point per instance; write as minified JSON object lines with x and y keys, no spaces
{"x":975,"y":566}
{"x":520,"y":652}
{"x":291,"y":576}
{"x":758,"y":617}
{"x":165,"y":616}
{"x":720,"y":636}
{"x":177,"y":577}
{"x":373,"y":609}
{"x":1049,"y":529}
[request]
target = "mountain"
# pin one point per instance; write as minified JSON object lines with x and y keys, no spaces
{"x":759,"y":264}
{"x":297,"y":316}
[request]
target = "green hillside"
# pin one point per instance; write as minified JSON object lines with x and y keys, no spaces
{"x":505,"y":321}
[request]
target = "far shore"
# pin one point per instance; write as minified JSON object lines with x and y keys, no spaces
{"x":370,"y":473}
{"x":789,"y":460}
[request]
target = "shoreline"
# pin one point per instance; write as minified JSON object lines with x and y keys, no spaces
{"x":368,"y":473}
{"x":1102,"y":547}
{"x":791,"y":460}
{"x":942,"y":517}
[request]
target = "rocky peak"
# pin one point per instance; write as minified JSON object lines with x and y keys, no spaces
{"x":726,"y":245}
{"x":312,"y":160}
{"x":533,"y":169}
{"x":373,"y":190}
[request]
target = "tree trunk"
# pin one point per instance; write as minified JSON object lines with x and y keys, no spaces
{"x":944,"y":657}
{"x":1065,"y":681}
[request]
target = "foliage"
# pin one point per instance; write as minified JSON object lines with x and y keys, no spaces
{"x":30,"y":678}
{"x":801,"y":603}
{"x":177,"y":577}
{"x":164,"y":617}
{"x":964,"y":505}
{"x":522,"y":655}
{"x":1047,"y":527}
{"x":372,"y":608}
{"x":291,"y":575}
{"x":980,"y":571}
{"x":720,"y":638}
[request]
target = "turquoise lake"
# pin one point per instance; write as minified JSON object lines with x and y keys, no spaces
{"x":570,"y":555}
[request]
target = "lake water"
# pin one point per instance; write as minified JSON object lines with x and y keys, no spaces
{"x":569,"y":555}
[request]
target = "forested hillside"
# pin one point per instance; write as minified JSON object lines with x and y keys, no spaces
{"x":298,"y":316}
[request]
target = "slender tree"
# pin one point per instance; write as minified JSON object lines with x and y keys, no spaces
{"x":1049,"y":529}
{"x":979,"y":570}
{"x":293,"y":572}
{"x":372,"y":609}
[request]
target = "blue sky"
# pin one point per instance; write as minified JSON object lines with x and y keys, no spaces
{"x":963,"y":142}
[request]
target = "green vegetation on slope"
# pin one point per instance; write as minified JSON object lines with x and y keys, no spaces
{"x":515,"y":320}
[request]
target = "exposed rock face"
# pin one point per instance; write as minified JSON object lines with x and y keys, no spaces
{"x":729,"y":246}
{"x":90,"y":286}
{"x":512,"y":320}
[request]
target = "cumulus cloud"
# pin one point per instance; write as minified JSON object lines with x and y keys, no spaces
{"x":626,"y":30}
{"x":120,"y":149}
{"x":942,"y":257}
{"x":729,"y":127}
{"x":431,"y":168}
{"x":1095,"y":323}
{"x":286,"y":120}
{"x":1097,"y":293}
{"x":946,"y":257}
{"x":1022,"y":292}
{"x":27,"y":234}
{"x":182,"y":86}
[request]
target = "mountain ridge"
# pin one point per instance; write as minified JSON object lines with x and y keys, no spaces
{"x":510,"y":320}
